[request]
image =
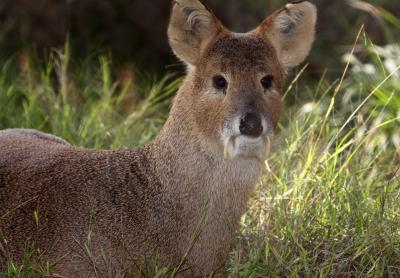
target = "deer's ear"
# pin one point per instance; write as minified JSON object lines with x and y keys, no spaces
{"x":291,"y":30}
{"x":191,"y":27}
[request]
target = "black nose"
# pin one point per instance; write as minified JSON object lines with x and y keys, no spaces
{"x":251,"y":125}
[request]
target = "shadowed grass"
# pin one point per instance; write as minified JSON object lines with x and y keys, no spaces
{"x":86,"y":106}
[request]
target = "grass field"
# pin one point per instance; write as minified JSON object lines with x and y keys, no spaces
{"x":329,"y":202}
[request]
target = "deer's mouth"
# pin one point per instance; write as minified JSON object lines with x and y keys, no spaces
{"x":246,"y":147}
{"x":238,"y":143}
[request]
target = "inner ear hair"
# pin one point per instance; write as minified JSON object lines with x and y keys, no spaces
{"x":196,"y":19}
{"x":289,"y":17}
{"x":287,"y":20}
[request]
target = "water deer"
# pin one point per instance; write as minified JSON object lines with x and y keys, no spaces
{"x":179,"y":198}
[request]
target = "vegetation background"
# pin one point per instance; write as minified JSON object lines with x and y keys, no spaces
{"x":100,"y":74}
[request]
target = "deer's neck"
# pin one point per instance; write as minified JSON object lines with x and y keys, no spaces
{"x":208,"y":193}
{"x":196,"y":173}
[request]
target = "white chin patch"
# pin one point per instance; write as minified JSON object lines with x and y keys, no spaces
{"x":246,"y":147}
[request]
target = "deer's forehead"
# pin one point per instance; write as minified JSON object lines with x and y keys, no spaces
{"x":238,"y":52}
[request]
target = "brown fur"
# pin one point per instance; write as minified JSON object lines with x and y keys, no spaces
{"x":101,"y":210}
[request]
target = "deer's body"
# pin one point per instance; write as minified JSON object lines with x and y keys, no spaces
{"x":181,"y":196}
{"x":130,"y":210}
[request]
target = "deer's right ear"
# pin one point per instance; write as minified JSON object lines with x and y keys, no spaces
{"x":191,"y":27}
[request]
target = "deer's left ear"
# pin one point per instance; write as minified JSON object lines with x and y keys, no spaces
{"x":291,"y":30}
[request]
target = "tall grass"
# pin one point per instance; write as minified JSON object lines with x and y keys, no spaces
{"x":328,"y":204}
{"x":84,"y":103}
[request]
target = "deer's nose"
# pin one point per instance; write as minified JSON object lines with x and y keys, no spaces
{"x":251,"y":125}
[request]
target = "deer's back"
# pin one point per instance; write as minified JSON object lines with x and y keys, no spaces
{"x":65,"y":198}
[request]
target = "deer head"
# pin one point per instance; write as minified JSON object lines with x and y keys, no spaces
{"x":234,"y":80}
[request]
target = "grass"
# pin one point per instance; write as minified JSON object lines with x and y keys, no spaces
{"x":87,"y":106}
{"x":329,"y":202}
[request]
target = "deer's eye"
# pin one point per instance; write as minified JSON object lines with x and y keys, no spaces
{"x":267,"y":81}
{"x":219,"y":82}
